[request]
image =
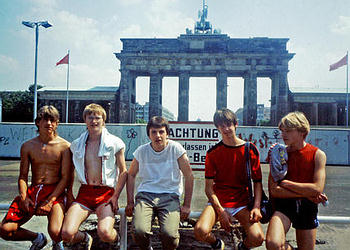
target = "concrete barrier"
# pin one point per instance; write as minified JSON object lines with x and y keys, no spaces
{"x":335,"y":142}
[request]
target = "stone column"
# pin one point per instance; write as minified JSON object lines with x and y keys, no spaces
{"x":183,"y":98}
{"x":334,"y":114}
{"x":279,"y":96}
{"x":250,"y":98}
{"x":282,"y":100}
{"x":221,"y":90}
{"x":155,"y":94}
{"x":77,"y":116}
{"x":125,"y":96}
{"x":314,"y":114}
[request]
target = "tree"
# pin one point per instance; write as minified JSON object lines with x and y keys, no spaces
{"x":17,"y":106}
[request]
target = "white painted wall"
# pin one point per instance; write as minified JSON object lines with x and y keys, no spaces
{"x":335,"y":142}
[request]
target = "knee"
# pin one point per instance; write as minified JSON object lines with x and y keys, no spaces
{"x":55,"y":233}
{"x":257,"y":240}
{"x":6,"y":233}
{"x":67,"y":234}
{"x":200,"y":233}
{"x":106,"y":235}
{"x":273,"y":245}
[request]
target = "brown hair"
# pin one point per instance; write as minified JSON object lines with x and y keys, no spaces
{"x":47,"y":112}
{"x":295,"y":120}
{"x":94,"y":108}
{"x":225,"y":117}
{"x":158,"y":122}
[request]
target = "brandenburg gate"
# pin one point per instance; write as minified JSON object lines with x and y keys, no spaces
{"x":209,"y":55}
{"x":204,"y":53}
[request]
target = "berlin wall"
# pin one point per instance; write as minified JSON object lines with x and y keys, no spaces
{"x":196,"y":137}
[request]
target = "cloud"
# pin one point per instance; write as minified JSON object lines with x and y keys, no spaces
{"x":129,"y":2}
{"x":342,"y":26}
{"x":166,"y":20}
{"x":8,"y":65}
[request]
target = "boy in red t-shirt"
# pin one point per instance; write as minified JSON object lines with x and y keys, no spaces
{"x":297,"y":195}
{"x":226,"y":187}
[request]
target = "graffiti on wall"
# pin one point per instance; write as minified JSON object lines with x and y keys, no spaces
{"x":195,"y":137}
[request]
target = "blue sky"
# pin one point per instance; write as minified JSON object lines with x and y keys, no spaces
{"x":319,"y":33}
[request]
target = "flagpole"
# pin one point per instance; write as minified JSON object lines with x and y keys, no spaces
{"x":347,"y":88}
{"x":67,"y":90}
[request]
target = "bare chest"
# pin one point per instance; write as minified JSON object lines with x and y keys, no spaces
{"x":93,"y":164}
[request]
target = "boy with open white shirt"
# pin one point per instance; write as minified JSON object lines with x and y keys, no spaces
{"x":161,"y":163}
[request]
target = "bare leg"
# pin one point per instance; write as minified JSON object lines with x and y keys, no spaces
{"x":204,"y":225}
{"x":75,"y":216}
{"x":276,"y":232}
{"x":105,"y":226}
{"x":55,"y":220}
{"x":254,"y":232}
{"x":306,"y":239}
{"x":12,"y":231}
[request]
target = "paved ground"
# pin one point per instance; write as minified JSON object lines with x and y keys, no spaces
{"x":337,"y":189}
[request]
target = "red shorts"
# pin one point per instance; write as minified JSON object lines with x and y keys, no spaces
{"x":91,"y":197}
{"x":37,"y":194}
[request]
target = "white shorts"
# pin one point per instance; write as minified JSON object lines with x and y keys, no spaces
{"x":232,"y":210}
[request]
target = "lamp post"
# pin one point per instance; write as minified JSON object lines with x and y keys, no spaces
{"x":36,"y":25}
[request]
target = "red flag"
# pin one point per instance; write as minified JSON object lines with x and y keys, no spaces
{"x":64,"y":60}
{"x":340,"y":63}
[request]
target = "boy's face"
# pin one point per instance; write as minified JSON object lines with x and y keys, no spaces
{"x":227,"y":130}
{"x":94,"y":122}
{"x":159,"y":138}
{"x":291,"y":136}
{"x":47,"y":125}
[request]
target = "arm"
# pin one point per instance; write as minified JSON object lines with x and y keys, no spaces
{"x":223,"y":217}
{"x":123,"y":174}
{"x":23,"y":178}
{"x":315,"y":188}
{"x":130,"y":185}
{"x":186,"y":170}
{"x":66,"y":163}
{"x":255,"y":214}
{"x":277,"y":191}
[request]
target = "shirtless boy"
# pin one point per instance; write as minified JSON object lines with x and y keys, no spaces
{"x":297,"y":195}
{"x":98,"y":158}
{"x":50,"y":161}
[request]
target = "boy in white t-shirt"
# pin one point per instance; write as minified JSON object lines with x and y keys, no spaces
{"x":161,"y":165}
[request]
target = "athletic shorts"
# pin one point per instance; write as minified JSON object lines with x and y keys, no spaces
{"x":301,"y":212}
{"x":38,"y":194}
{"x":91,"y":197}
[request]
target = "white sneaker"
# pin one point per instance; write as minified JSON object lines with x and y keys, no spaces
{"x":57,"y":245}
{"x":87,"y":241}
{"x":39,"y":242}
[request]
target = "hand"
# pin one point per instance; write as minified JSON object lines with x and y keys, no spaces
{"x":26,"y":204}
{"x":184,"y":212}
{"x":255,"y":215}
{"x":318,"y":198}
{"x":129,"y":210}
{"x":225,"y":220}
{"x":44,"y":208}
{"x":113,"y":201}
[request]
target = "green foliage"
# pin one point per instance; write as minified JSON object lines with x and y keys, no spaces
{"x":140,"y":121}
{"x":17,"y":106}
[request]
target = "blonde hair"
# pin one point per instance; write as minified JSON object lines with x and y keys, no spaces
{"x":295,"y":120}
{"x":94,"y":108}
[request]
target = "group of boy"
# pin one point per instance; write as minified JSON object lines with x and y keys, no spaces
{"x":162,"y":164}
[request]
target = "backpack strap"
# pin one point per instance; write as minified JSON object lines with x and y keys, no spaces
{"x":248,"y":171}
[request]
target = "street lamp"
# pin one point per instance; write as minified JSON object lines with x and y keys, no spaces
{"x":36,"y":25}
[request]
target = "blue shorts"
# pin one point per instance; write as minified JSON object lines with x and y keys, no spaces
{"x":301,"y":212}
